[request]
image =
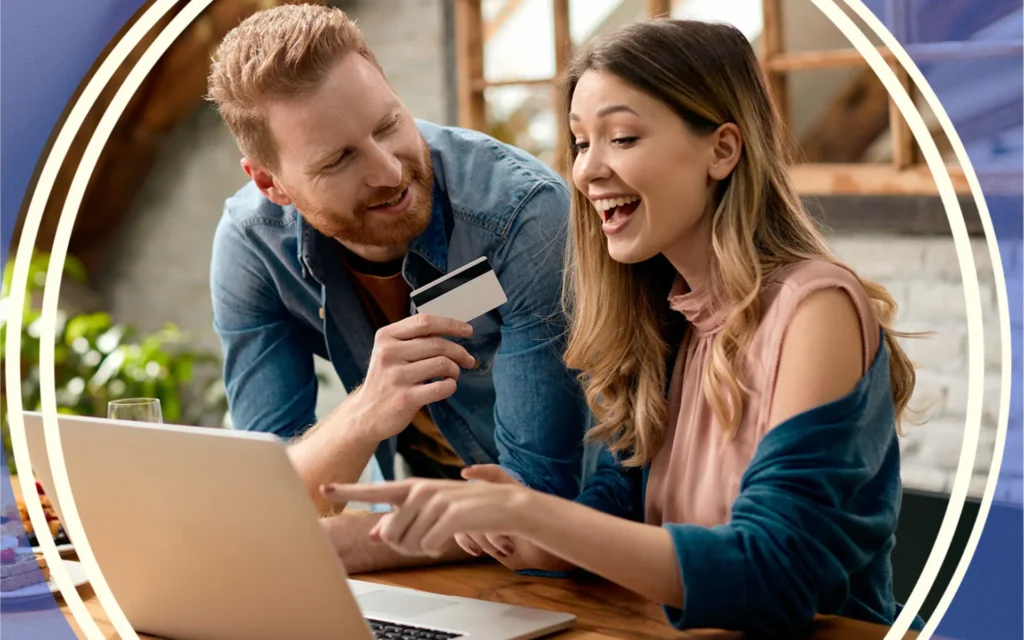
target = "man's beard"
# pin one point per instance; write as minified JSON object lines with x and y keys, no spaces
{"x":362,"y":227}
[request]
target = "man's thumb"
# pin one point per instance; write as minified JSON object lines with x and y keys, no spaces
{"x":488,"y":473}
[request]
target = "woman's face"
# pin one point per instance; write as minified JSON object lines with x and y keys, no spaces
{"x":648,"y":175}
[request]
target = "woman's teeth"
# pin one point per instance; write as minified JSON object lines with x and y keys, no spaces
{"x":605,"y":205}
{"x":610,"y":206}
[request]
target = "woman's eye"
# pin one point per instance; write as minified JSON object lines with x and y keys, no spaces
{"x":625,"y":141}
{"x":580,"y":146}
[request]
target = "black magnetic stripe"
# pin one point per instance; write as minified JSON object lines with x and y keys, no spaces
{"x":451,"y":284}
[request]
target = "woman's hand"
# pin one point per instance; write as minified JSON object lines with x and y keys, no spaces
{"x":496,"y":545}
{"x":430,"y":512}
{"x":515,"y":552}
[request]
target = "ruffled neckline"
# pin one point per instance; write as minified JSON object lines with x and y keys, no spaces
{"x":701,"y":307}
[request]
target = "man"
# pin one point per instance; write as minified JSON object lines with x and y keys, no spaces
{"x":352,"y":204}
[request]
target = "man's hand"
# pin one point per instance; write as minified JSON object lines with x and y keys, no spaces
{"x":349,"y":533}
{"x":406,"y":356}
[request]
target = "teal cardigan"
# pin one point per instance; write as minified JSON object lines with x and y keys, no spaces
{"x":811,"y":531}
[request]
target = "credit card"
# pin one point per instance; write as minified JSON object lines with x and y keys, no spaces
{"x":464,"y":294}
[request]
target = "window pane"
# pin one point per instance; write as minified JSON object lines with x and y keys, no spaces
{"x":745,"y":15}
{"x":519,"y":40}
{"x":589,"y":18}
{"x":806,"y":28}
{"x":523,"y":115}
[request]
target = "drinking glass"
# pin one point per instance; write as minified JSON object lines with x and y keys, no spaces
{"x":135,"y":409}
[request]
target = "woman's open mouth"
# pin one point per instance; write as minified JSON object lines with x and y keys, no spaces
{"x":616,"y":211}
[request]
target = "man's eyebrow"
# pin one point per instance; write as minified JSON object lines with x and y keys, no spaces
{"x":330,"y":156}
{"x":326,"y":158}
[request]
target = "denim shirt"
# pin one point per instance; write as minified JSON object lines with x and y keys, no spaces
{"x":280,"y":295}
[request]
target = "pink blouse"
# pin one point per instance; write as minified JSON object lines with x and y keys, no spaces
{"x":695,"y":477}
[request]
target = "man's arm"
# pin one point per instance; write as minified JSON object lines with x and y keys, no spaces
{"x":269,"y":378}
{"x":350,"y":534}
{"x":271,"y":384}
{"x":540,"y":412}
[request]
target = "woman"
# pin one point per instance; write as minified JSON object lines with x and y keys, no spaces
{"x":764,"y":487}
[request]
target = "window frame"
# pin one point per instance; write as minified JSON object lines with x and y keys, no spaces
{"x":906,"y":175}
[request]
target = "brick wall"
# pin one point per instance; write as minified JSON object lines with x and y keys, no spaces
{"x":923,"y":274}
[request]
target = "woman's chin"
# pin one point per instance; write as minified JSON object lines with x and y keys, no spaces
{"x":628,"y":252}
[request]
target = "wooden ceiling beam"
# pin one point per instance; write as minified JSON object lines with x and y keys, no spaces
{"x":855,"y":117}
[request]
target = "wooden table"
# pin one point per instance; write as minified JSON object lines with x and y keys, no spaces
{"x":604,"y":610}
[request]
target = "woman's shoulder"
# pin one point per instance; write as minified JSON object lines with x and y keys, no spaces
{"x":813,"y":274}
{"x":789,"y":285}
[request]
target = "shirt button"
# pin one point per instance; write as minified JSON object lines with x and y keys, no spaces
{"x":321,"y":313}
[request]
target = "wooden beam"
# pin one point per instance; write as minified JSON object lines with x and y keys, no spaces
{"x":798,"y":61}
{"x":563,"y":36}
{"x":852,"y":120}
{"x":904,"y":149}
{"x":480,"y":84}
{"x":657,"y":8}
{"x":563,"y":53}
{"x":771,"y":49}
{"x":882,"y":179}
{"x":923,"y":52}
{"x":470,"y":64}
{"x":495,"y":24}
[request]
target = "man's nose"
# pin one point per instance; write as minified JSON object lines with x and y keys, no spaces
{"x":385,"y":169}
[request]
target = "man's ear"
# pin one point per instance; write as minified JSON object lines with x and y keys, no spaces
{"x":266,"y":182}
{"x":727,"y":147}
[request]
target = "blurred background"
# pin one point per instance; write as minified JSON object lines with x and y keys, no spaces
{"x":136,"y":318}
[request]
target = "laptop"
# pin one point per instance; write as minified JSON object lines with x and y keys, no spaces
{"x":209,"y":533}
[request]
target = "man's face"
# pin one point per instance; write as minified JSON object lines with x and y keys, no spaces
{"x":351,"y":159}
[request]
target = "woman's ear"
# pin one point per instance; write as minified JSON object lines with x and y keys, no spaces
{"x":726,"y":148}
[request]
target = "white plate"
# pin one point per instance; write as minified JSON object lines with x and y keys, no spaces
{"x":75,"y":570}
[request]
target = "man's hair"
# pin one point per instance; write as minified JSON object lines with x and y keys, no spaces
{"x":277,"y":53}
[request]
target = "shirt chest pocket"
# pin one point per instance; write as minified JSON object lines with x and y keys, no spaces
{"x":483,"y":348}
{"x":483,"y":344}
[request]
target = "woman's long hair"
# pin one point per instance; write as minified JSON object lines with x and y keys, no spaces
{"x":709,"y":75}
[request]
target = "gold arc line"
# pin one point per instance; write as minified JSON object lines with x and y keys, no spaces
{"x":44,"y":186}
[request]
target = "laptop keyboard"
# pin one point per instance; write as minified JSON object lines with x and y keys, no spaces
{"x":392,"y":631}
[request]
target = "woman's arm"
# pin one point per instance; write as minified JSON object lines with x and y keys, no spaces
{"x":640,"y":557}
{"x":428,"y":513}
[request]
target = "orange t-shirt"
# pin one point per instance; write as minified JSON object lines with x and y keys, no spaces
{"x":386,"y":298}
